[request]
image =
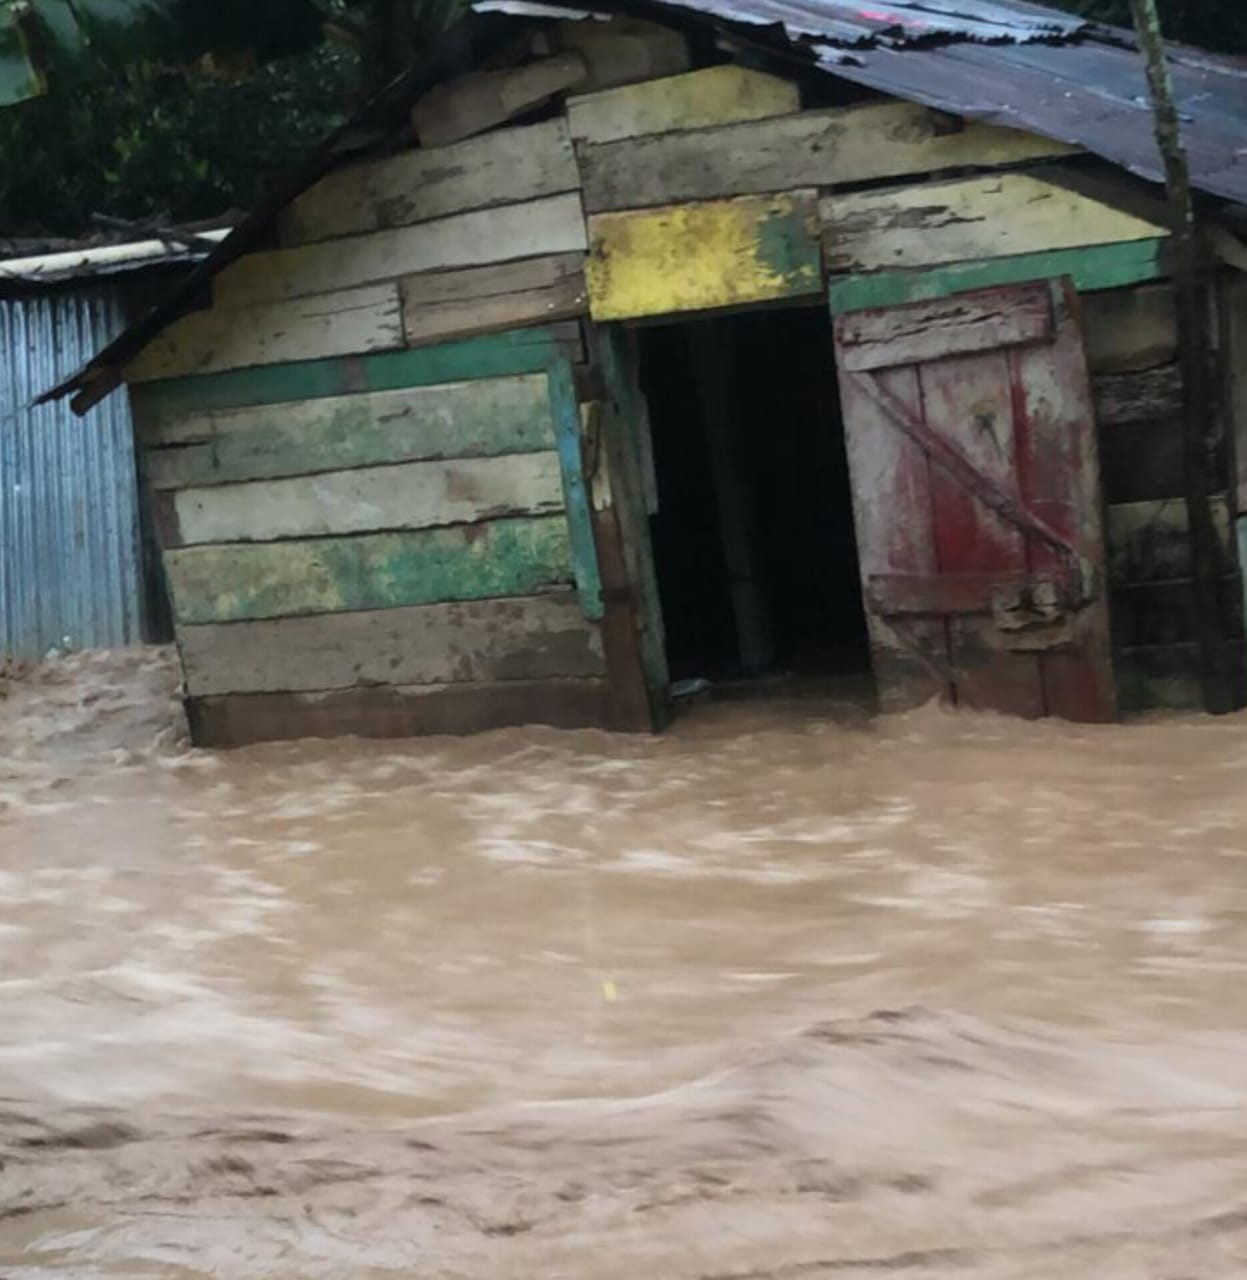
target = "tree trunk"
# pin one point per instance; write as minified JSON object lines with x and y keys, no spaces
{"x":1198,"y":419}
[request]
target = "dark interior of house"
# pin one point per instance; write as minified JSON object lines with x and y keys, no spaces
{"x":753,"y":536}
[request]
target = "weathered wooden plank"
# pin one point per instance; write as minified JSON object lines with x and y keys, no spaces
{"x":368,"y":571}
{"x":554,"y":224}
{"x":566,"y":408}
{"x":236,"y":720}
{"x":970,"y":219}
{"x":491,"y":356}
{"x":838,"y":147}
{"x":1127,"y":330}
{"x":531,"y":638}
{"x":491,"y":417}
{"x":1110,"y":266}
{"x":1138,"y":397}
{"x":1148,"y":541}
{"x":472,"y":103}
{"x":986,"y":320}
{"x":349,"y":322}
{"x":411,"y":495}
{"x":506,"y":167}
{"x":712,"y":96}
{"x":693,"y":257}
{"x":532,"y":292}
{"x":620,"y":51}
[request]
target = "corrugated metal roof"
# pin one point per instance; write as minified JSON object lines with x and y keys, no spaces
{"x":1009,"y":62}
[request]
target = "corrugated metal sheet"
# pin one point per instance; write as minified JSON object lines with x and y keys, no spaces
{"x":70,"y":560}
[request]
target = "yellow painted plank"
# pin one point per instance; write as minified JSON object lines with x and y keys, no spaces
{"x":504,"y":167}
{"x":552,"y":225}
{"x":694,"y":257}
{"x":714,"y":95}
{"x":975,"y":218}
{"x":346,"y":322}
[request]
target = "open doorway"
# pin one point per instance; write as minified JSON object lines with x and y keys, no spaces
{"x":753,"y":535}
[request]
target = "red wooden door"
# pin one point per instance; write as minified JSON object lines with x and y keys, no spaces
{"x":976,"y":496}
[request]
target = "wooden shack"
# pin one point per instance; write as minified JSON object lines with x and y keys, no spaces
{"x":635,"y":353}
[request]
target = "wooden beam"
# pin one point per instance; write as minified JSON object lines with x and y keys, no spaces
{"x":442,"y":305}
{"x":237,"y":720}
{"x":230,"y":583}
{"x":411,"y":495}
{"x":712,"y":96}
{"x":481,"y":100}
{"x":654,"y":262}
{"x":348,"y":322}
{"x":1110,"y":266}
{"x":551,"y":225}
{"x":517,"y":351}
{"x":968,"y":220}
{"x":506,"y":167}
{"x":840,"y":147}
{"x":487,"y":418}
{"x":1140,"y":397}
{"x":531,"y":638}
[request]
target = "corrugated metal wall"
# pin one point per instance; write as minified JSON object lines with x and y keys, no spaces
{"x":70,"y":560}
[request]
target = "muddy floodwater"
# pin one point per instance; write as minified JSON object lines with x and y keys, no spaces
{"x":789,"y":992}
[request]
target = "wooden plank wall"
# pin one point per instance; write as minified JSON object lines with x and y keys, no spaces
{"x":1132,"y":352}
{"x":381,"y":562}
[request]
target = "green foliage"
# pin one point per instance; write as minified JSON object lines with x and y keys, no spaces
{"x":146,"y":140}
{"x":55,"y":43}
{"x":1211,"y":24}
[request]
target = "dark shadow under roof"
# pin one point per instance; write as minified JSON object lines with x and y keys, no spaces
{"x":1004,"y":61}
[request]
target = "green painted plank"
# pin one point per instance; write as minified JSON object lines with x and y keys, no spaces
{"x":484,"y":418}
{"x":489,"y":356}
{"x":1112,"y":266}
{"x":231,"y":582}
{"x":566,"y":409}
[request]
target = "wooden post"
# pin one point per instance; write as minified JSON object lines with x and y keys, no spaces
{"x":1215,"y":673}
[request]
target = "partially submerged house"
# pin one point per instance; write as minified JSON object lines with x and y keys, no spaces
{"x":693,"y":337}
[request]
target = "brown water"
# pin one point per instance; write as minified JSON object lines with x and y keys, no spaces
{"x":785,"y":993}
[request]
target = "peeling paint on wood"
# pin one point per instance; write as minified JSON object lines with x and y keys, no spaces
{"x":711,"y":96}
{"x":506,"y":167}
{"x":368,"y":571}
{"x":516,"y":351}
{"x":237,"y":720}
{"x":693,"y":257}
{"x":999,"y":216}
{"x":491,"y":417}
{"x":413,"y":495}
{"x":839,"y":147}
{"x":349,"y":322}
{"x":1100,"y":267}
{"x":516,"y":639}
{"x":552,"y":225}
